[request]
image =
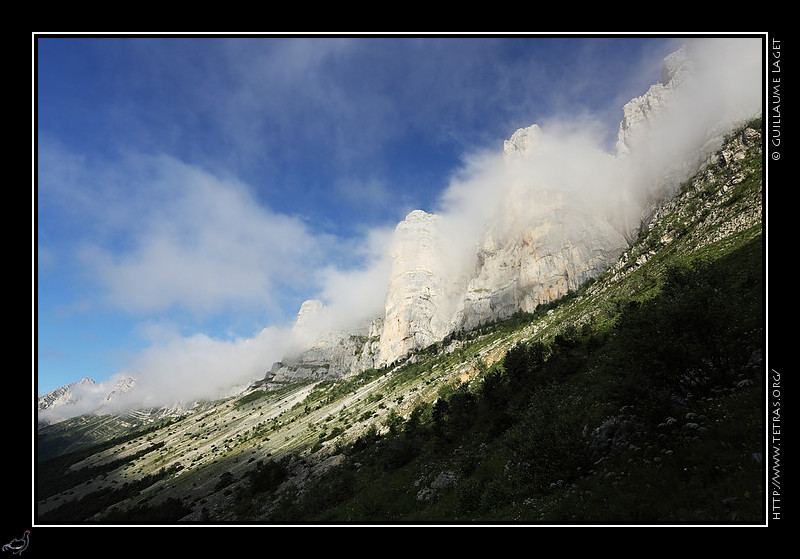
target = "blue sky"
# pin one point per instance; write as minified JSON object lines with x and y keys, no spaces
{"x":194,"y":191}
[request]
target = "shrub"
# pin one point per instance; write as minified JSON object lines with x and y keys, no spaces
{"x":683,"y":339}
{"x":224,"y":481}
{"x":267,"y":476}
{"x":547,"y":443}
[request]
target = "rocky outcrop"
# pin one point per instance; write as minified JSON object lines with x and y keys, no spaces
{"x":521,"y":143}
{"x":540,"y":265}
{"x":542,"y":240}
{"x":324,"y":351}
{"x":639,"y":112}
{"x":545,"y":243}
{"x":423,"y":293}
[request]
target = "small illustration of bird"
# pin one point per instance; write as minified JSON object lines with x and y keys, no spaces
{"x":18,"y":545}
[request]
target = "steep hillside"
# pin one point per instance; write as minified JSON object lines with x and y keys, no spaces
{"x":636,"y":398}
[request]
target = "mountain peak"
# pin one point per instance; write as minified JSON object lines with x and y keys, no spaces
{"x":418,"y":215}
{"x":521,"y":142}
{"x":308,"y":310}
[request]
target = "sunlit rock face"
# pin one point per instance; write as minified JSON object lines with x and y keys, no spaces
{"x":543,"y":263}
{"x":521,"y":143}
{"x":423,"y":293}
{"x":561,"y":211}
{"x":544,"y":242}
{"x":540,"y":241}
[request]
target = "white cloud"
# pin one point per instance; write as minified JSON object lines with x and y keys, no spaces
{"x":181,"y":371}
{"x":184,"y":238}
{"x":186,"y":369}
{"x":355,"y":295}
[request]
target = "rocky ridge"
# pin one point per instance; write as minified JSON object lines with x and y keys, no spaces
{"x":65,"y":395}
{"x":545,"y":243}
{"x":638,"y":112}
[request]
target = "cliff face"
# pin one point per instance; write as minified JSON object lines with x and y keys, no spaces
{"x":539,"y":243}
{"x":423,"y":293}
{"x":639,"y":112}
{"x":545,"y":238}
{"x":544,"y":242}
{"x":323,"y":351}
{"x":551,"y":230}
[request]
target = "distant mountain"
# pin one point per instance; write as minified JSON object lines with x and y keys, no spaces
{"x":65,"y":395}
{"x":84,"y":396}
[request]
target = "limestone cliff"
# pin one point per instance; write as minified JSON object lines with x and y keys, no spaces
{"x":639,"y":112}
{"x":671,"y":131}
{"x":423,"y":292}
{"x":543,"y":236}
{"x":545,"y":242}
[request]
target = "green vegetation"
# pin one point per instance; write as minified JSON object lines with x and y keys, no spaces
{"x":668,"y":392}
{"x":58,"y":473}
{"x":250,"y":398}
{"x":58,"y":476}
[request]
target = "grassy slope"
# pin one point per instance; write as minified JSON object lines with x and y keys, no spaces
{"x":584,"y":421}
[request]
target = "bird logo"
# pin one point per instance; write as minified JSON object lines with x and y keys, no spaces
{"x":18,"y":545}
